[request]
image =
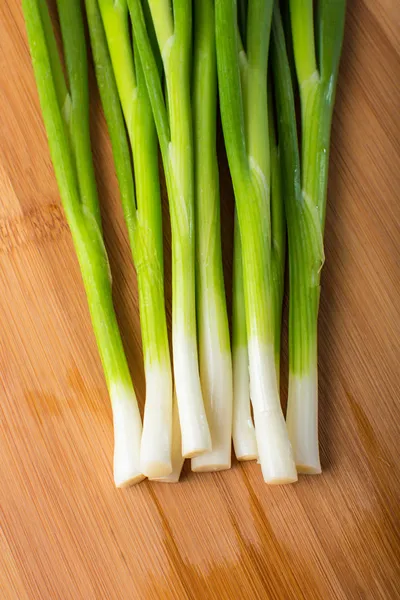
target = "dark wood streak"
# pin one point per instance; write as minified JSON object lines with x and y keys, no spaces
{"x":36,"y":226}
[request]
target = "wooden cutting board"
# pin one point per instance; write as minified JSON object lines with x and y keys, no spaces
{"x":65,"y":531}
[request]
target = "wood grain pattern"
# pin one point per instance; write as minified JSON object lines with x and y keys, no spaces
{"x":65,"y":532}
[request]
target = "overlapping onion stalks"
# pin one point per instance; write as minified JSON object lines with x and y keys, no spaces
{"x":157,"y":64}
{"x":65,"y":108}
{"x":316,"y":37}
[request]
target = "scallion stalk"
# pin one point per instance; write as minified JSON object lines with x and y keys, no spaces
{"x":173,"y":118}
{"x":305,"y":186}
{"x":212,"y":318}
{"x":124,"y":97}
{"x":66,"y":117}
{"x":244,"y":112}
{"x":243,"y":432}
{"x":244,"y":439}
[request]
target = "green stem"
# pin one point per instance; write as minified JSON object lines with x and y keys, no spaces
{"x":71,"y":156}
{"x":317,"y":97}
{"x":173,"y":120}
{"x":304,"y":289}
{"x":212,"y":318}
{"x":239,"y":333}
{"x":161,"y":13}
{"x":330,"y":32}
{"x":302,"y":18}
{"x":153,"y":78}
{"x":144,"y":223}
{"x":122,"y":84}
{"x":113,"y":113}
{"x":249,"y":166}
{"x":278,"y":230}
{"x":247,"y":144}
{"x":63,"y":97}
{"x":49,"y":96}
{"x":83,"y":224}
{"x":208,"y":223}
{"x":78,"y":123}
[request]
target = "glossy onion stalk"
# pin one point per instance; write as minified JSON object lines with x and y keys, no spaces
{"x":243,"y":432}
{"x":244,"y":439}
{"x":122,"y":86}
{"x":305,"y":195}
{"x":66,"y":118}
{"x":244,"y":112}
{"x":212,"y":317}
{"x":173,"y":118}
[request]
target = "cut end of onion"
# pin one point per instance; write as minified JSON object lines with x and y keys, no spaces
{"x":302,"y":421}
{"x":212,"y":461}
{"x":157,"y":469}
{"x":243,"y":433}
{"x":127,"y":435}
{"x":309,"y":470}
{"x":246,"y":457}
{"x":124,"y":481}
{"x":274,"y":448}
{"x":155,"y":448}
{"x":216,"y":384}
{"x":193,"y":452}
{"x":172,"y":478}
{"x":282,"y":481}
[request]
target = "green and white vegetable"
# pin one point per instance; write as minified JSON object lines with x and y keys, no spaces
{"x":244,"y":112}
{"x":244,"y":439}
{"x":65,"y":108}
{"x":158,"y":67}
{"x":122,"y":85}
{"x":243,"y":432}
{"x":305,"y":185}
{"x":173,"y":118}
{"x":212,"y":318}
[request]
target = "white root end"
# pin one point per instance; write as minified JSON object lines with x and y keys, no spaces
{"x":216,"y":383}
{"x":302,"y":421}
{"x":127,"y":435}
{"x":243,"y":432}
{"x":177,"y":459}
{"x":194,"y":426}
{"x":155,"y":449}
{"x":274,"y":448}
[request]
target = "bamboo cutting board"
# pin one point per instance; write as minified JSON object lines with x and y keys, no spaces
{"x":65,"y":532}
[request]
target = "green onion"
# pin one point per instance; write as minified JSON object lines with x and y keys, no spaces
{"x":173,"y":119}
{"x":243,"y":433}
{"x":278,"y":228}
{"x":305,"y":194}
{"x":212,"y":318}
{"x":243,"y":428}
{"x":244,"y":112}
{"x":122,"y":86}
{"x":66,"y":117}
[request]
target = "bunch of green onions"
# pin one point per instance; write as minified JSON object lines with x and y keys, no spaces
{"x":159,"y":67}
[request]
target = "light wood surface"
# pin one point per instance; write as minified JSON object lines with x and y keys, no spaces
{"x":65,"y":532}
